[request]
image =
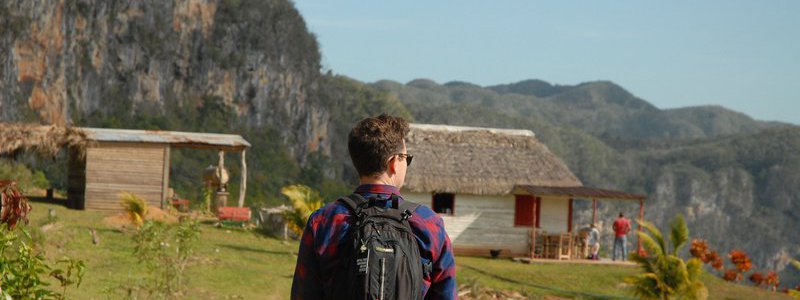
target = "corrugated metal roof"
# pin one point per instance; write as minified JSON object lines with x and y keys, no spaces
{"x":175,"y":138}
{"x":575,"y":192}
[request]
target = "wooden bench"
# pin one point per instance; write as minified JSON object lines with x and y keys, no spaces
{"x":233,"y":214}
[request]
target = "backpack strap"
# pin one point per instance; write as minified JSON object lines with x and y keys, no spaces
{"x":354,"y":202}
{"x":407,"y":208}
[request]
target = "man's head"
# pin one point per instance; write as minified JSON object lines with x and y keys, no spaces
{"x":378,"y":150}
{"x":621,"y":215}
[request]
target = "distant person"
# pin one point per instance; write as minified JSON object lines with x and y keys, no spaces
{"x":621,"y":228}
{"x":373,"y":244}
{"x":594,"y":242}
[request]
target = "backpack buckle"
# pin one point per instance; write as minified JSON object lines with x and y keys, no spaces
{"x":406,"y":214}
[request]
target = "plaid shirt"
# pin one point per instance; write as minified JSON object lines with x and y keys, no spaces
{"x":317,"y":262}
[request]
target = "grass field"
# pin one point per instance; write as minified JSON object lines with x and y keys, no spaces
{"x":238,"y":264}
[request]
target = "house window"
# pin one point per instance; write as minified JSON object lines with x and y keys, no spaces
{"x":444,"y":203}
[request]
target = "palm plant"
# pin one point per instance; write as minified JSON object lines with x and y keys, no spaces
{"x":796,"y":292}
{"x":134,"y":206}
{"x":666,"y":275}
{"x":305,"y":201}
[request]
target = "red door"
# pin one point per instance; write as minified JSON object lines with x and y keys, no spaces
{"x":523,"y":210}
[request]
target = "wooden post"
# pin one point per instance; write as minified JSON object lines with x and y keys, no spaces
{"x":569,"y":216}
{"x":165,"y":180}
{"x":641,"y":219}
{"x":533,"y":227}
{"x":243,"y":186}
{"x":594,"y":211}
{"x":220,"y":166}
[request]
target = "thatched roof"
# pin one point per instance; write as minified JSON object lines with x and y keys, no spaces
{"x":480,"y":161}
{"x":46,"y":140}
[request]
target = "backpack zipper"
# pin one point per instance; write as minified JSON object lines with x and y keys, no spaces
{"x":383,"y":275}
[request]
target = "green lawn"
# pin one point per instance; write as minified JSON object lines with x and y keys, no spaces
{"x":238,"y":264}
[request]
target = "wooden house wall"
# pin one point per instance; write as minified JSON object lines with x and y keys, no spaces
{"x":554,"y":214}
{"x":481,"y":223}
{"x":113,"y":168}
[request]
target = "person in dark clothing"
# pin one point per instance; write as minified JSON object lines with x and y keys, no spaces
{"x":378,"y":152}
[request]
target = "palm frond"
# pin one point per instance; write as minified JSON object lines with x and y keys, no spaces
{"x":305,"y":201}
{"x":696,"y":291}
{"x":655,"y":233}
{"x":679,"y":234}
{"x":645,"y":263}
{"x":650,"y":244}
{"x":796,"y":264}
{"x":694,"y":267}
{"x":645,"y":286}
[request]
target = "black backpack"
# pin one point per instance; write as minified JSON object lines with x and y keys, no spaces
{"x":383,"y":259}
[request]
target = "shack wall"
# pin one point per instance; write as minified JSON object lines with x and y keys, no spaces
{"x":113,"y":168}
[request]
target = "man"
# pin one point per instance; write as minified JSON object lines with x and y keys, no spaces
{"x":621,"y":228}
{"x":594,"y":242}
{"x":378,"y":151}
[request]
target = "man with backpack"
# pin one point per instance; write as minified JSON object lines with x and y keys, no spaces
{"x":373,"y":244}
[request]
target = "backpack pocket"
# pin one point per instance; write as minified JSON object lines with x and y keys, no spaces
{"x":382,"y":271}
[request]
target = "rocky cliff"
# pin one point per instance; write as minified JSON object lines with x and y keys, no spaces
{"x":66,"y":61}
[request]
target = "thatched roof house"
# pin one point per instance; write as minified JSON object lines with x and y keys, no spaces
{"x":480,"y":161}
{"x":491,"y":186}
{"x":46,"y":140}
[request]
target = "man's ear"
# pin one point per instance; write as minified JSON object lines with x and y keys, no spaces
{"x":391,"y":169}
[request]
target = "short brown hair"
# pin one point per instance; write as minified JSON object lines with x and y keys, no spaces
{"x":373,"y":140}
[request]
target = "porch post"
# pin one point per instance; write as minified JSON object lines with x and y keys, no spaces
{"x":641,"y":219}
{"x":533,"y":226}
{"x":594,"y":211}
{"x":243,"y":186}
{"x":220,"y":164}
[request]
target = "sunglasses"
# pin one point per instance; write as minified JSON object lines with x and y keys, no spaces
{"x":407,"y":157}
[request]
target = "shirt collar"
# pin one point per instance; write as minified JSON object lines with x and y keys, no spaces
{"x":378,"y":189}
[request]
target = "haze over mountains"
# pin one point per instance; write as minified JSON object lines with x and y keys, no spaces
{"x":734,"y":178}
{"x":252,"y":67}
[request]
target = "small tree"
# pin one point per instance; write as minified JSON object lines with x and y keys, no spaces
{"x":666,"y":275}
{"x":305,"y":201}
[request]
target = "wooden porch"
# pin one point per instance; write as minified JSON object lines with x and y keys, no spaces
{"x":569,"y":245}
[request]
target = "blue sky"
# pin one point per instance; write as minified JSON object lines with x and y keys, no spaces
{"x":744,"y":55}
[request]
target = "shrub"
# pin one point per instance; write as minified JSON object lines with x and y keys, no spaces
{"x":135,"y":207}
{"x":23,"y":269}
{"x":305,"y":201}
{"x":666,"y":275}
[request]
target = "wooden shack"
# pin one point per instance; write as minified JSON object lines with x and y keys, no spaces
{"x":484,"y":182}
{"x":136,"y":161}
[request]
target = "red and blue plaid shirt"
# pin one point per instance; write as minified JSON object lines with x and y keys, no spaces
{"x":317,"y":259}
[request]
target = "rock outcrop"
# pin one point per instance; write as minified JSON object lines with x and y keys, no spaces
{"x":65,"y":59}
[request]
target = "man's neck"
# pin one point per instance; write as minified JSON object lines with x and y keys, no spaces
{"x":381,"y":179}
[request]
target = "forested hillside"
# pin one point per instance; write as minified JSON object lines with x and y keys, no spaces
{"x":252,"y":67}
